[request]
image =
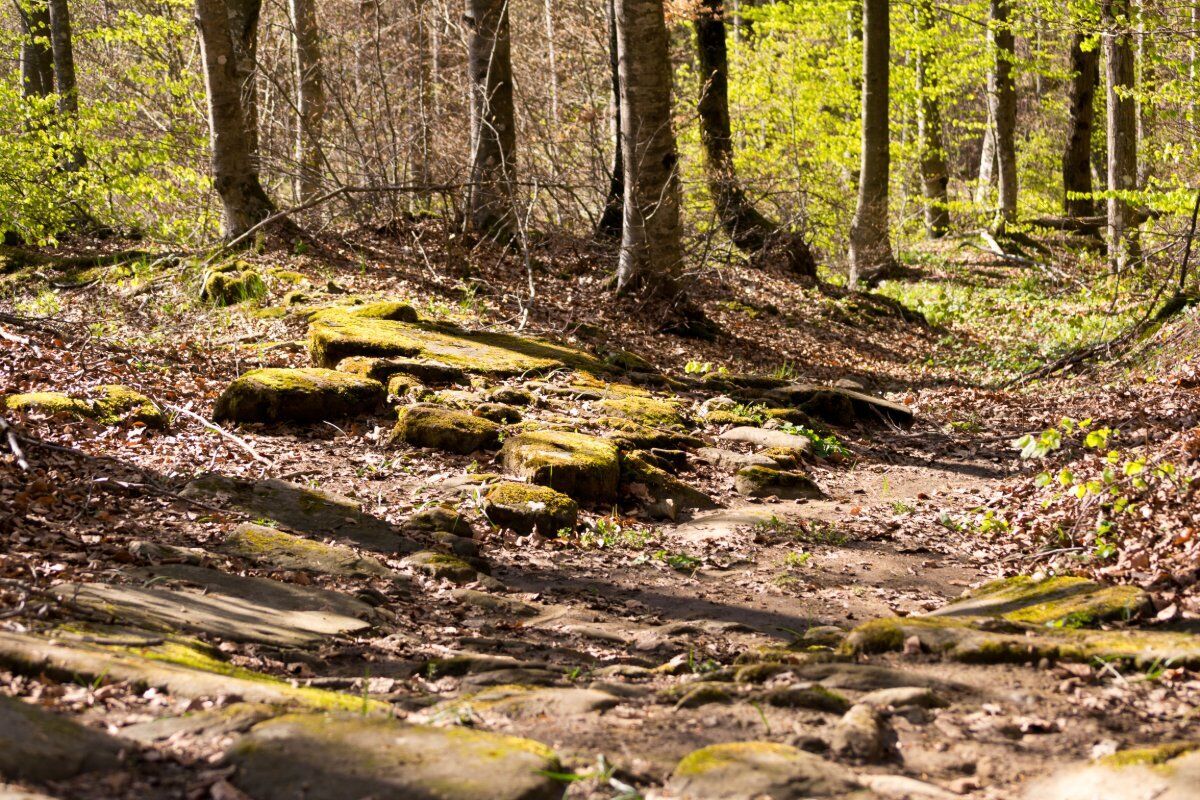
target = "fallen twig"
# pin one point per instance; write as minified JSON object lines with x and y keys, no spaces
{"x":14,"y":444}
{"x":212,"y":426}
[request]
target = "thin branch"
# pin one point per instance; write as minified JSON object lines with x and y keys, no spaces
{"x":242,"y":443}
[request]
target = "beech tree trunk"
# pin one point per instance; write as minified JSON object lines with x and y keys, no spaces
{"x":1122,"y":131}
{"x":870,"y":245}
{"x":612,"y":218}
{"x":935,"y":173}
{"x":651,"y":240}
{"x":37,"y":61}
{"x":62,"y":49}
{"x":489,"y":207}
{"x":243,"y":18}
{"x":1077,"y":158}
{"x":234,"y":161}
{"x":310,"y":105}
{"x":1002,"y":96}
{"x":987,"y":156}
{"x":749,"y":229}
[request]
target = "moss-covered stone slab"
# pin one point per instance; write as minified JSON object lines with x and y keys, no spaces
{"x":731,"y":459}
{"x":509,"y":395}
{"x":440,"y":518}
{"x":767,"y":437}
{"x":499,"y":413}
{"x":740,"y":770}
{"x":205,"y":724}
{"x":814,"y":698}
{"x":497,"y":604}
{"x":840,"y":406}
{"x":297,"y":395}
{"x":1058,"y":602}
{"x":223,"y":605}
{"x":263,"y":545}
{"x":585,"y":468}
{"x":767,"y":482}
{"x":36,"y":745}
{"x":50,"y":404}
{"x":515,"y":702}
{"x":629,"y":435}
{"x":442,"y":567}
{"x":526,"y":507}
{"x":182,"y":669}
{"x":960,"y":639}
{"x":382,"y":369}
{"x":333,"y":757}
{"x":113,"y":404}
{"x":1167,"y":772}
{"x":336,"y":334}
{"x":653,"y":412}
{"x":666,"y":494}
{"x":444,"y":429}
{"x":302,"y":509}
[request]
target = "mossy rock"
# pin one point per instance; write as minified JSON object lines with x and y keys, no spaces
{"x":649,"y":411}
{"x":662,"y":488}
{"x":445,"y":429}
{"x":452,"y":398}
{"x":442,"y":567}
{"x":757,"y":481}
{"x":526,"y":507}
{"x":229,"y":287}
{"x":122,"y":404}
{"x":498,"y":413}
{"x":297,"y":395}
{"x":787,"y":457}
{"x":263,"y":545}
{"x":1167,"y":772}
{"x":336,"y":334}
{"x":402,"y":385}
{"x":585,"y":468}
{"x":814,"y":698}
{"x":389,"y":310}
{"x":509,"y":396}
{"x":743,"y":380}
{"x":630,"y":435}
{"x":758,"y":769}
{"x":719,"y":416}
{"x":330,"y":757}
{"x":51,"y":404}
{"x":381,"y":369}
{"x":1058,"y":602}
{"x":440,"y":518}
{"x":36,"y":745}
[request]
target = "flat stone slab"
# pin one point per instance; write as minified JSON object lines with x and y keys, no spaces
{"x":335,"y":334}
{"x":209,"y":724}
{"x":37,"y":745}
{"x":1063,"y":601}
{"x":227,"y":606}
{"x":522,"y":702}
{"x":840,"y":406}
{"x":766,"y":437}
{"x":297,"y":395}
{"x":585,"y":468}
{"x":264,"y":545}
{"x":1171,"y":772}
{"x":179,"y":669}
{"x":327,"y":757}
{"x":740,"y":770}
{"x":310,"y":511}
{"x":731,"y":459}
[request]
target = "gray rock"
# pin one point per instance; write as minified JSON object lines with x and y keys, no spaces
{"x":263,"y":545}
{"x":839,"y":406}
{"x":441,"y":566}
{"x":518,"y":702}
{"x":498,"y":604}
{"x":766,"y":437}
{"x":1120,"y":777}
{"x":901,"y":696}
{"x":236,"y":718}
{"x":904,"y":788}
{"x":861,"y":734}
{"x":731,"y":459}
{"x":526,"y":507}
{"x":325,"y":757}
{"x":740,"y":770}
{"x":440,"y":518}
{"x":445,"y":429}
{"x":816,"y":698}
{"x":583,"y":467}
{"x":36,"y":745}
{"x":767,"y":482}
{"x":297,"y":395}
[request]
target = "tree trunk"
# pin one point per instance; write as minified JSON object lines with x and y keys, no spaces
{"x":935,"y":173}
{"x":1077,"y":158}
{"x":234,"y":162}
{"x":1122,"y":131}
{"x":651,"y":238}
{"x":611,"y":220}
{"x":749,"y":229}
{"x":37,"y":61}
{"x":1002,"y":96}
{"x":310,"y":105}
{"x":61,"y":46}
{"x":870,"y":245}
{"x":490,"y":198}
{"x":987,"y":156}
{"x":551,"y":61}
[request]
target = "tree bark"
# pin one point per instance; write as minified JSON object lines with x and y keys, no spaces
{"x":62,"y":48}
{"x":1002,"y":96}
{"x":489,"y":207}
{"x":611,"y":219}
{"x":1077,"y":158}
{"x":1122,"y":131}
{"x":651,"y":239}
{"x":234,"y":162}
{"x":243,"y":18}
{"x":987,"y":156}
{"x":871,"y":256}
{"x":746,"y":226}
{"x":37,"y":61}
{"x":935,"y":173}
{"x":310,"y":93}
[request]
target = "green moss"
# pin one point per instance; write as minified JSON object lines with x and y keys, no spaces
{"x":117,"y":403}
{"x":49,"y":403}
{"x":630,"y":435}
{"x":1059,"y":601}
{"x":402,"y":385}
{"x":525,"y":507}
{"x":267,"y":545}
{"x":723,"y":417}
{"x":298,"y":395}
{"x":289,"y":276}
{"x":707,"y":759}
{"x":1149,"y":756}
{"x":876,"y":636}
{"x":647,"y":411}
{"x":759,"y":481}
{"x":445,"y":429}
{"x":227,"y":287}
{"x":390,"y":310}
{"x":786,"y":457}
{"x":815,"y":697}
{"x":583,"y":467}
{"x":441,"y":566}
{"x":509,"y":396}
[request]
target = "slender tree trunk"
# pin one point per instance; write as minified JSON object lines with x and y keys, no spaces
{"x":1122,"y":131}
{"x":1077,"y":158}
{"x":552,"y":60}
{"x":651,"y":238}
{"x":987,"y":156}
{"x":489,"y":208}
{"x":61,"y":46}
{"x":935,"y":174}
{"x":871,"y":256}
{"x":37,"y":61}
{"x":611,"y":220}
{"x":1002,"y":96}
{"x":243,"y":18}
{"x":424,"y":37}
{"x":310,"y":85}
{"x":234,"y":162}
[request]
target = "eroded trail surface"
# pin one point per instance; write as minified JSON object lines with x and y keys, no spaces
{"x":559,"y":572}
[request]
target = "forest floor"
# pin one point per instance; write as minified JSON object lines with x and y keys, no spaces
{"x":322,"y":610}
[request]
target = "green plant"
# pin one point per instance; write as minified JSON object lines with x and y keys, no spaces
{"x":796,"y":559}
{"x":823,"y":446}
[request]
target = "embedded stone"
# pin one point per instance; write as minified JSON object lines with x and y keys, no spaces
{"x":583,"y":467}
{"x":37,"y":745}
{"x":768,"y":482}
{"x":767,"y":437}
{"x":442,"y":567}
{"x":862,"y":734}
{"x":526,"y":507}
{"x":1059,"y":602}
{"x":739,"y":770}
{"x":731,"y":459}
{"x":275,"y":548}
{"x":657,"y":486}
{"x":445,"y":429}
{"x":839,"y":406}
{"x":498,"y":413}
{"x":440,"y":518}
{"x":816,"y":698}
{"x":509,"y":396}
{"x":297,"y":395}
